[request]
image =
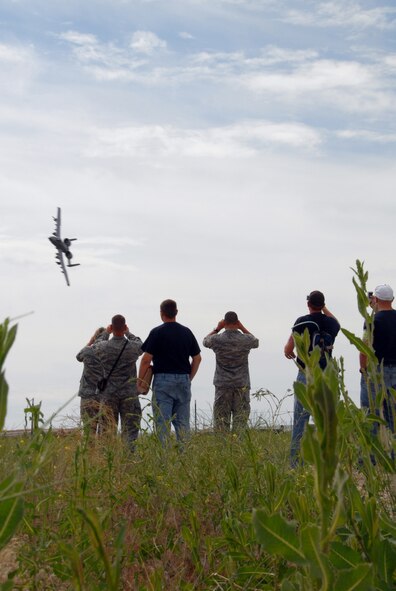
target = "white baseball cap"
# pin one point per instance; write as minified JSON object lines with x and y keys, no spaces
{"x":384,"y":292}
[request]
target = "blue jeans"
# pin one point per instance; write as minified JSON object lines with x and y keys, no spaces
{"x":367,"y":399}
{"x":300,"y":420}
{"x":171,"y":404}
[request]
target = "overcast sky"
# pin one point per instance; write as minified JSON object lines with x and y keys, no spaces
{"x":228,"y":154}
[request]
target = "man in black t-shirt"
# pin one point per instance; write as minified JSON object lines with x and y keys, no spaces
{"x":319,"y":320}
{"x":169,"y":348}
{"x":384,"y":345}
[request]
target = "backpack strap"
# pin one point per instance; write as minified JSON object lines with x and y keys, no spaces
{"x":307,"y":322}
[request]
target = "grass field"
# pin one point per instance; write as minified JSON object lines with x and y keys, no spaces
{"x":97,"y":517}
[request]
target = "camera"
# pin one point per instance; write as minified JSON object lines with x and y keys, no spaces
{"x":370,"y":294}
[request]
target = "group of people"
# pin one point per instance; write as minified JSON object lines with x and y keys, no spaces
{"x":110,"y":384}
{"x":323,"y":328}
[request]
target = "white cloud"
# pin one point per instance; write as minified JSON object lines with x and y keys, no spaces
{"x":318,"y":75}
{"x":390,"y":60}
{"x":287,"y":75}
{"x":19,"y":64}
{"x":343,"y":14}
{"x":185,"y":35}
{"x":367,"y":135}
{"x":79,"y":38}
{"x":146,"y":42}
{"x":11,"y":54}
{"x":347,"y":86}
{"x":239,"y":140}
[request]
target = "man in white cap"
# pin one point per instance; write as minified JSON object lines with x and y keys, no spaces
{"x":384,"y":345}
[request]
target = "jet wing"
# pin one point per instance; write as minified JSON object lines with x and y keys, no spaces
{"x":61,"y":262}
{"x":57,"y":221}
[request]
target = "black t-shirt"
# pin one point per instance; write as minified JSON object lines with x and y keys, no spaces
{"x":312,"y":322}
{"x":171,"y":346}
{"x":384,"y":341}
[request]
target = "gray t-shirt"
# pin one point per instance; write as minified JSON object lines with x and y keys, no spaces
{"x":232,"y":349}
{"x":122,"y":382}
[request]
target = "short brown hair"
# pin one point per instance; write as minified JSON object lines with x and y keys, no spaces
{"x":231,"y":317}
{"x":168,"y":308}
{"x":118,"y":322}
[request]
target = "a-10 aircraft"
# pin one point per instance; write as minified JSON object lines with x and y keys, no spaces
{"x":62,"y":247}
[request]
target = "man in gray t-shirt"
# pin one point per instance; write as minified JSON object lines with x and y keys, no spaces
{"x":119,"y":399}
{"x":231,"y":379}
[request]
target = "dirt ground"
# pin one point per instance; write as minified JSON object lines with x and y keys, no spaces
{"x":8,"y":558}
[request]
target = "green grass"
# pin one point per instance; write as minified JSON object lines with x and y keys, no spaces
{"x":98,"y":517}
{"x":165,"y":519}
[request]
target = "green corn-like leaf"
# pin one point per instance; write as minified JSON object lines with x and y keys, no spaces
{"x":7,"y":338}
{"x":343,"y":557}
{"x":385,"y":559}
{"x":3,"y":399}
{"x":360,"y":345}
{"x":389,"y":525}
{"x":284,"y":491}
{"x":355,"y":499}
{"x":300,"y":506}
{"x":324,"y":414}
{"x":381,"y":455}
{"x":360,"y":578}
{"x":301,"y":392}
{"x":288,"y":586}
{"x":362,"y":298}
{"x":318,"y":561}
{"x":11,"y":509}
{"x":371,"y":518}
{"x":310,"y":448}
{"x":278,"y":536}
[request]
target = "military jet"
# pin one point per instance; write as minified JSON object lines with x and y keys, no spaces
{"x":62,"y":247}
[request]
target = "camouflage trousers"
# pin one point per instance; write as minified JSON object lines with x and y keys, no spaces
{"x":231,"y":402}
{"x":89,"y":413}
{"x":128,"y":410}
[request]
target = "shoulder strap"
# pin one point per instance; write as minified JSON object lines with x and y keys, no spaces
{"x":117,"y":360}
{"x":306,"y":322}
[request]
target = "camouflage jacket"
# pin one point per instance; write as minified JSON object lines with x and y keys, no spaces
{"x":92,"y":372}
{"x":122,"y":382}
{"x":232,"y":349}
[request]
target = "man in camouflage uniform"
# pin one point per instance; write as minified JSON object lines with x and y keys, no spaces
{"x":92,"y":372}
{"x":231,"y":378}
{"x":120,"y":397}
